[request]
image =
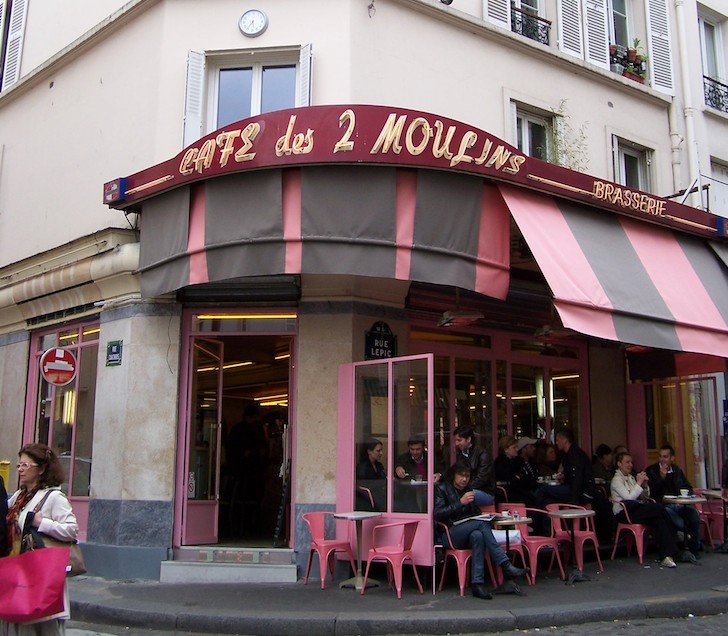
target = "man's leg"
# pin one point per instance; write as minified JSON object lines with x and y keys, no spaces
{"x":691,"y":517}
{"x":482,"y":498}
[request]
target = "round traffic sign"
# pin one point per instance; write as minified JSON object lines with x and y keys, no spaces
{"x":58,"y":366}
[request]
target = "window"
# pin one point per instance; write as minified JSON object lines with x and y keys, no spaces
{"x":533,"y":134}
{"x":711,"y":46}
{"x":718,"y":192}
{"x":241,"y":85}
{"x":64,"y":415}
{"x":526,"y":20}
{"x":619,"y":23}
{"x":632,"y":169}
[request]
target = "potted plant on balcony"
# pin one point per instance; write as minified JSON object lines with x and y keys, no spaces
{"x":635,"y":72}
{"x":635,"y":54}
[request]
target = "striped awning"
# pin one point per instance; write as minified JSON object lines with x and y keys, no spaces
{"x":616,"y":278}
{"x":406,"y":224}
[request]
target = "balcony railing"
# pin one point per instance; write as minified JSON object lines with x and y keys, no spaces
{"x":716,"y":93}
{"x":530,"y":26}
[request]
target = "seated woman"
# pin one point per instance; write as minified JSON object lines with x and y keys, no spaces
{"x":371,"y":479}
{"x":630,"y":489}
{"x":547,"y":460}
{"x":455,"y":500}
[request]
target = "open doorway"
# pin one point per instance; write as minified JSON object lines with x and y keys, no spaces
{"x":238,"y":431}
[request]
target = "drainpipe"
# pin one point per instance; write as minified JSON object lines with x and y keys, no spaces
{"x":688,"y":111}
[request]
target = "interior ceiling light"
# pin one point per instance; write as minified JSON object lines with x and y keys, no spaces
{"x":458,"y":318}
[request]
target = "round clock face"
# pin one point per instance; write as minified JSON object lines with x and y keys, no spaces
{"x":253,"y":22}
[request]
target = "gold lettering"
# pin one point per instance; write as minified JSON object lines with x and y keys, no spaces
{"x":344,"y":145}
{"x":514,"y":164}
{"x":225,"y":142}
{"x":598,"y":189}
{"x":628,"y":198}
{"x":643,"y":203}
{"x":302,"y":144}
{"x":498,"y":158}
{"x":423,"y":124}
{"x":283,"y":145}
{"x":468,"y":141}
{"x":250,"y":132}
{"x":660,"y":208}
{"x":439,"y":148}
{"x":390,"y":135}
{"x":187,"y":165}
{"x":608,"y":191}
{"x":207,"y":154}
{"x":486,"y":151}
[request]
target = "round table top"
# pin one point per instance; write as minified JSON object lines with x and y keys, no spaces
{"x":685,"y":501}
{"x":713,"y":493}
{"x":510,"y":521}
{"x":571,"y":513}
{"x":357,"y":514}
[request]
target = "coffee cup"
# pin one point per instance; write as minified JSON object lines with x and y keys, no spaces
{"x":684,"y":492}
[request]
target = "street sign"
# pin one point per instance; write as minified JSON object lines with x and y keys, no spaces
{"x":58,"y":366}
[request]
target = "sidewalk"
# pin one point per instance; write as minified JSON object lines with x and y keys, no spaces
{"x":625,"y":590}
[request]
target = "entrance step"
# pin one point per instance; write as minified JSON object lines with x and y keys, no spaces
{"x":215,"y":564}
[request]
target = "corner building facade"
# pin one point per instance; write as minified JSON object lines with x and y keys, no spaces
{"x":329,"y":232}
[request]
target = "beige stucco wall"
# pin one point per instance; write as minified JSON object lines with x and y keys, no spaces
{"x":136,"y":408}
{"x":14,"y":352}
{"x":607,"y":395}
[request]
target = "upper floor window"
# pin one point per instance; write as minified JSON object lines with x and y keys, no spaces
{"x":526,"y":20}
{"x":619,"y":23}
{"x":227,"y":87}
{"x":715,"y":87}
{"x":632,"y":165}
{"x":532,"y":134}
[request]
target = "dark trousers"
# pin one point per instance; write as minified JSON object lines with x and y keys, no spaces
{"x":477,"y":536}
{"x":655,"y":516}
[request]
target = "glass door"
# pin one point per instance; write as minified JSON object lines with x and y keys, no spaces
{"x":200,"y":508}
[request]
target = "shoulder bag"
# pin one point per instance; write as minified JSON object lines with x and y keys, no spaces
{"x":34,"y":540}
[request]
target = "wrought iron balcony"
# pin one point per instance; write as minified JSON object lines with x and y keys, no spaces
{"x":530,"y":26}
{"x":716,"y":93}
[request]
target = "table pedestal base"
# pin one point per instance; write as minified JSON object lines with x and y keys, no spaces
{"x":357,"y":583}
{"x":723,"y":548}
{"x":577,"y":576}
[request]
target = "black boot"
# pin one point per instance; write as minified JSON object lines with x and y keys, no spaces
{"x":510,"y":571}
{"x":479,"y":591}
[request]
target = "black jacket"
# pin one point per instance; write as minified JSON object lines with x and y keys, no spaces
{"x":448,"y":508}
{"x":578,"y":474}
{"x":481,"y":469}
{"x":673,"y":482}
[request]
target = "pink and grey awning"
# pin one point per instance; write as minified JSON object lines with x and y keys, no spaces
{"x":616,"y":278}
{"x":401,"y":223}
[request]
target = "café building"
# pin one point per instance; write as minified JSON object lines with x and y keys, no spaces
{"x":332,"y":274}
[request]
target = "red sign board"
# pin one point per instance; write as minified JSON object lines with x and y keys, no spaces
{"x":58,"y":366}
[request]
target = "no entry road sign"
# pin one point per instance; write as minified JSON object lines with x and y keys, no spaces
{"x":58,"y":366}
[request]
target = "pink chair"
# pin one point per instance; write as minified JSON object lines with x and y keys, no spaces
{"x":583,"y":532}
{"x":462,"y":557}
{"x":395,"y":554}
{"x":634,"y":533}
{"x":533,"y":544}
{"x":706,"y":519}
{"x":325,"y":548}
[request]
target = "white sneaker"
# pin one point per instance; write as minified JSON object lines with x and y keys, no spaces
{"x":667,"y":562}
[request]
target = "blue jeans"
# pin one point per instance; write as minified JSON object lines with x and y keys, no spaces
{"x":482,"y":498}
{"x":687,"y":519}
{"x":477,"y":536}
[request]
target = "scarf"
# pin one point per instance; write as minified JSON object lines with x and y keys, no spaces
{"x":14,"y":531}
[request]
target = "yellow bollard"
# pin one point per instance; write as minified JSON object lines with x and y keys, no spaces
{"x":5,"y":471}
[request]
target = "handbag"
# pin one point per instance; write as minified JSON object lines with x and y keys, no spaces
{"x":32,"y":585}
{"x":33,"y":540}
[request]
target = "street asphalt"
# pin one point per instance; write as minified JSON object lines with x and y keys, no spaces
{"x":624,"y":590}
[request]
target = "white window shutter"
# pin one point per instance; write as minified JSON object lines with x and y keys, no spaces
{"x":570,"y":30}
{"x":498,"y":12}
{"x":193,"y":97}
{"x":597,"y":32}
{"x":14,"y":47}
{"x":658,"y":46}
{"x":303,"y":90}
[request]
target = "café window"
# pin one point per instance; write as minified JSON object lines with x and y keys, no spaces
{"x":533,"y":133}
{"x":229,"y":86}
{"x":64,"y":415}
{"x":393,"y":430}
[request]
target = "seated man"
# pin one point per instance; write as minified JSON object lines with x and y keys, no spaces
{"x":666,"y":478}
{"x":526,"y":484}
{"x":413,"y":463}
{"x":455,"y":500}
{"x":481,"y":465}
{"x":577,"y":485}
